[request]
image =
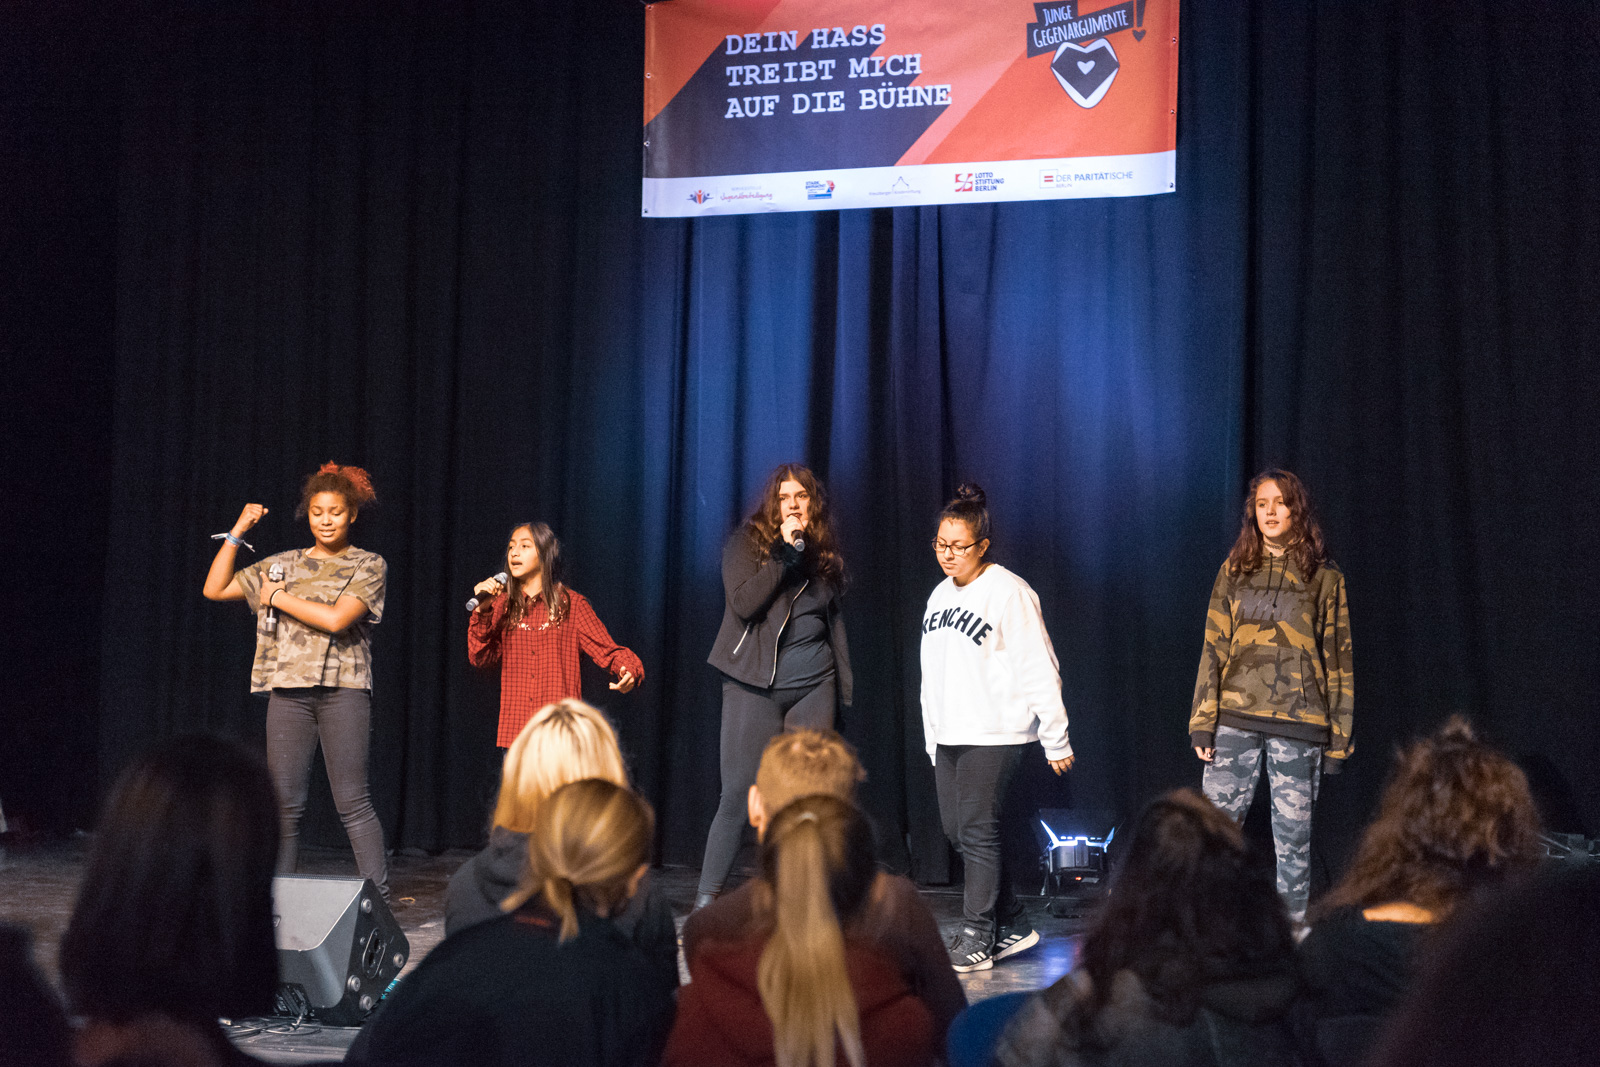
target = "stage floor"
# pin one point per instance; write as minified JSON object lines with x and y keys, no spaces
{"x":38,"y":883}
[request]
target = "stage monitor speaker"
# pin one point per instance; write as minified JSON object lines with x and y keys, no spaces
{"x":339,"y":947}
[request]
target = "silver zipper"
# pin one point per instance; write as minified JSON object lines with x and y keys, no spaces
{"x":742,"y":636}
{"x":779,"y":639}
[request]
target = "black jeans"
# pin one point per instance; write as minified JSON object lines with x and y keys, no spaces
{"x":750,"y":718}
{"x":341,"y":719}
{"x":972,"y":781}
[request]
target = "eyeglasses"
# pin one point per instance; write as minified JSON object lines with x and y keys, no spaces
{"x":941,"y":547}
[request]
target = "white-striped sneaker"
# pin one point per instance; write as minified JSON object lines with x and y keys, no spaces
{"x":1014,"y":939}
{"x":969,"y":952}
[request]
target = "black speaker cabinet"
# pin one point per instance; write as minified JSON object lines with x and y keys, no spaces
{"x":339,"y":947}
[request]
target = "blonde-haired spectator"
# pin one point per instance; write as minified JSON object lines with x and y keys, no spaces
{"x":564,"y":742}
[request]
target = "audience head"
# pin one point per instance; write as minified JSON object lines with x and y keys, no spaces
{"x":799,"y":763}
{"x":590,"y":847}
{"x":1455,"y":816}
{"x":1513,"y":983}
{"x":817,"y":869}
{"x":175,"y":912}
{"x":562,"y":743}
{"x":1188,"y":904}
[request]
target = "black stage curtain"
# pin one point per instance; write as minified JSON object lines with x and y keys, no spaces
{"x":409,"y":239}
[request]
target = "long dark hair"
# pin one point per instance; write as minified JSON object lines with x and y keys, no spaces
{"x":552,"y":590}
{"x":175,"y":911}
{"x":1305,"y":546}
{"x":763,"y":524}
{"x":1187,"y":904}
{"x":1456,"y":816}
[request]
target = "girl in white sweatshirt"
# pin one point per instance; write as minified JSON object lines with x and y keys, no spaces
{"x":990,"y":687}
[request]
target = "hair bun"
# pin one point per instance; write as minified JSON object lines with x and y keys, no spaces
{"x":973,"y":492}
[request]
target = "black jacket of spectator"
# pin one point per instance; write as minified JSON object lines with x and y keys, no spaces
{"x":1355,"y":972}
{"x":505,"y":993}
{"x":1241,"y":1022}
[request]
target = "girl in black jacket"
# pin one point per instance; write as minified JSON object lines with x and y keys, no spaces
{"x":781,"y":647}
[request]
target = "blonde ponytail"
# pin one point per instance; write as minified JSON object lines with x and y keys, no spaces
{"x":590,"y":838}
{"x":816,"y":861}
{"x":557,"y":893}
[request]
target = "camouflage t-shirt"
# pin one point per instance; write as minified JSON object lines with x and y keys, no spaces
{"x":299,"y":656}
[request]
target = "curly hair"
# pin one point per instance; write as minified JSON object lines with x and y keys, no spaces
{"x":763,"y":524}
{"x":1187,"y":905}
{"x":1455,"y":816}
{"x":1306,"y":545}
{"x":352,"y":483}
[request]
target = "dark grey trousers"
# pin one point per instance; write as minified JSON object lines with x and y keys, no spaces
{"x":341,"y":719}
{"x":750,"y":718}
{"x":972,"y":781}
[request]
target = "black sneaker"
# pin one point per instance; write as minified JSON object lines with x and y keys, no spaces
{"x":969,"y":952}
{"x":1015,"y":939}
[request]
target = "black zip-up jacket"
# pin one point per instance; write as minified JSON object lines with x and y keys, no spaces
{"x":761,"y":588}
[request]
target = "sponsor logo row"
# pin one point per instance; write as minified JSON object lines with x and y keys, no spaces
{"x":983,"y":181}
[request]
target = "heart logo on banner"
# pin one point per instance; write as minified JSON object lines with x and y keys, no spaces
{"x":1085,"y":71}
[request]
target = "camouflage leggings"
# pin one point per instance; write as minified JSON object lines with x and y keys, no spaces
{"x":1294,"y":771}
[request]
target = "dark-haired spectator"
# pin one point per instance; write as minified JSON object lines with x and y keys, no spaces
{"x":554,"y":982}
{"x":173,"y":924}
{"x":1513,"y":982}
{"x":33,"y":1028}
{"x":799,"y":990}
{"x":1455,"y":818}
{"x":1191,"y":962}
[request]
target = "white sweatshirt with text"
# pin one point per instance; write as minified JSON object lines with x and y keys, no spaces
{"x":989,"y":672}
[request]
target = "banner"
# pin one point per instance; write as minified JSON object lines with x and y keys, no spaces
{"x":810,"y":105}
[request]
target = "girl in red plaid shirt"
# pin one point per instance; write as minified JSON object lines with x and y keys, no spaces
{"x":534,"y":627}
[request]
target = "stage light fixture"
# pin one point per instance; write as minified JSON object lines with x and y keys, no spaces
{"x":1075,"y":846}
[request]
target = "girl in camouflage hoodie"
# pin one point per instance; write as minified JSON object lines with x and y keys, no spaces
{"x":1275,"y":673}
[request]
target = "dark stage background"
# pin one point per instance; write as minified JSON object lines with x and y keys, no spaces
{"x":241,"y":239}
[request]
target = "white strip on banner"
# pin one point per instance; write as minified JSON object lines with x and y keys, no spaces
{"x":940,"y":183}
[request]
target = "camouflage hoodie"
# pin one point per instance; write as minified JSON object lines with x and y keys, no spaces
{"x":1277,"y":657}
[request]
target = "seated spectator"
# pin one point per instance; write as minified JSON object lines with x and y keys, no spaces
{"x":1512,"y":982}
{"x":1455,"y":817}
{"x":33,"y":1028}
{"x":895,"y":919}
{"x":173,"y":924}
{"x":553,"y":982}
{"x":1190,"y":962}
{"x":562,"y":743}
{"x":797,"y":989}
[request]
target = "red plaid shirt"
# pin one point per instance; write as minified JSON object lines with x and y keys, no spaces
{"x":539,"y":662}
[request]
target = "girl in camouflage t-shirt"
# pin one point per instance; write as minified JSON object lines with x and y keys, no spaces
{"x":314,"y":657}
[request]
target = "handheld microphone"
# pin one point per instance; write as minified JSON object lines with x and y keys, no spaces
{"x":799,"y":543}
{"x":472,"y":605}
{"x":274,"y":574}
